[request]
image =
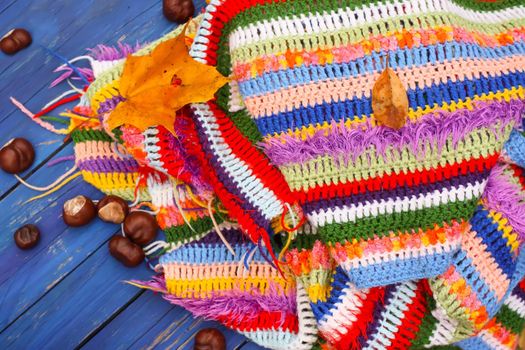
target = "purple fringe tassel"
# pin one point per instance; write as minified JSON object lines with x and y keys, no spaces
{"x":433,"y":130}
{"x":506,"y":197}
{"x":236,"y":306}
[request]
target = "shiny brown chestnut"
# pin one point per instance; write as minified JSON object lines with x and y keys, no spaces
{"x":140,"y":227}
{"x":79,"y":211}
{"x":179,"y":11}
{"x":112,"y":209}
{"x":209,"y":339}
{"x":27,"y":236}
{"x":15,"y":41}
{"x":125,"y":251}
{"x":16,"y":156}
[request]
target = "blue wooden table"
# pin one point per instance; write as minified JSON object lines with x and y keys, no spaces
{"x":68,"y":292}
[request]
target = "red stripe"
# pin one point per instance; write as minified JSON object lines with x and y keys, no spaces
{"x":392,"y":181}
{"x":231,"y":202}
{"x":411,"y":320}
{"x":244,"y":150}
{"x":223,"y":14}
{"x":172,"y":159}
{"x":265,"y":321}
{"x":350,"y":338}
{"x":519,"y":174}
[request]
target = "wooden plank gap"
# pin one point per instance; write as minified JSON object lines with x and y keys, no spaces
{"x":57,"y":49}
{"x":56,"y":284}
{"x":238,"y":347}
{"x":191,"y":337}
{"x":5,"y":9}
{"x":165,"y":334}
{"x":109,"y":319}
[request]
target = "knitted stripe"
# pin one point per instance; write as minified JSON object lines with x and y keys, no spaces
{"x":421,"y":91}
{"x":515,"y":148}
{"x":400,"y":178}
{"x":510,"y":319}
{"x":350,"y":109}
{"x":343,"y":318}
{"x":428,"y":322}
{"x":454,"y":46}
{"x":236,"y":174}
{"x":359,"y":212}
{"x":412,"y":318}
{"x":329,"y":38}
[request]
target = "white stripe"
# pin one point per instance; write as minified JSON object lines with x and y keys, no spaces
{"x":445,"y":328}
{"x":340,"y":19}
{"x":354,"y":212}
{"x":408,"y":253}
{"x":392,"y":316}
{"x":343,"y":313}
{"x":152,"y":149}
{"x":258,"y":195}
{"x":515,"y":304}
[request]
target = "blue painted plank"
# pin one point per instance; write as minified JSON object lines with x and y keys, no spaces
{"x":136,"y":320}
{"x":73,"y":309}
{"x":67,"y":27}
{"x":180,"y":336}
{"x":250,"y":346}
{"x":26,"y":275}
{"x":5,"y":4}
{"x":150,"y":321}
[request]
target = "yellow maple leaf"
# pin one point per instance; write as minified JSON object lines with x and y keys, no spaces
{"x":155,"y":86}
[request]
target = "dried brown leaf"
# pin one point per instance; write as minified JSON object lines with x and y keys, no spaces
{"x":390,"y":100}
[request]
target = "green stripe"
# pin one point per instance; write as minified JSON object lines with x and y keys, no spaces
{"x":83,"y":135}
{"x":241,"y":119}
{"x":427,"y":326}
{"x":182,"y":233}
{"x":382,"y":225}
{"x":488,"y":6}
{"x":304,"y":241}
{"x":510,"y":319}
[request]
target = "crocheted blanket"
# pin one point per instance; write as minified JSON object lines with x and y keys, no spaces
{"x":293,"y":216}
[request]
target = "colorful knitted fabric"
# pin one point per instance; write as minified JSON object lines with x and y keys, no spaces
{"x":304,"y":72}
{"x":458,"y":304}
{"x":413,"y":237}
{"x":252,"y":298}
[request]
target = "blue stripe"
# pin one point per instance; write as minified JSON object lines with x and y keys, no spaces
{"x":493,"y":240}
{"x":349,"y":109}
{"x":400,"y":270}
{"x":474,"y":343}
{"x":323,"y":309}
{"x":209,"y":254}
{"x":466,"y":269}
{"x":515,"y":147}
{"x":402,"y":58}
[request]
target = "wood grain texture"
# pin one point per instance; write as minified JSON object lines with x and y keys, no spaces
{"x":68,"y":292}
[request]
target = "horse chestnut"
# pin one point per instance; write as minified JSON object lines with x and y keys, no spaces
{"x":112,"y":209}
{"x":79,"y":211}
{"x":209,"y":339}
{"x":16,"y":156}
{"x":27,"y":236}
{"x":125,"y":251}
{"x":15,"y":41}
{"x":140,"y":227}
{"x":179,"y":11}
